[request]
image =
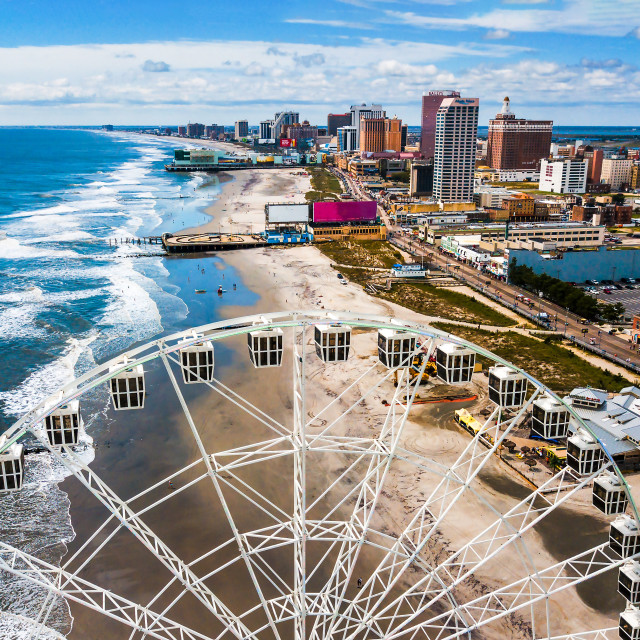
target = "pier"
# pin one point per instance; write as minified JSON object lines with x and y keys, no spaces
{"x":194,"y":242}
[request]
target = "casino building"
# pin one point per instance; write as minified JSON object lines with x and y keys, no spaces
{"x":517,"y":143}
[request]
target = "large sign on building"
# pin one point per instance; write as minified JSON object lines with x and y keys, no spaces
{"x":286,"y":143}
{"x":287,"y":213}
{"x":341,"y":212}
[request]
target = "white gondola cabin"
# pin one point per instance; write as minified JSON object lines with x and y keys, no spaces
{"x":62,"y":425}
{"x":11,"y":466}
{"x":455,"y":363}
{"x":629,"y":582}
{"x":584,"y":454}
{"x":196,"y":361}
{"x":127,"y":387}
{"x":609,"y":494}
{"x":629,"y":628}
{"x":549,"y":418}
{"x":332,"y":342}
{"x":265,"y":347}
{"x":507,"y":387}
{"x":624,"y":537}
{"x":395,"y":348}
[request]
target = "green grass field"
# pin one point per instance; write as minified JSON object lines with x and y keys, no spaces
{"x":560,"y":369}
{"x":444,"y":303}
{"x":324,"y":185}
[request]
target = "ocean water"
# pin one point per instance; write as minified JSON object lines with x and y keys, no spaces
{"x":73,"y":294}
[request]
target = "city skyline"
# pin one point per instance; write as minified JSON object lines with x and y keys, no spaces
{"x":572,"y":61}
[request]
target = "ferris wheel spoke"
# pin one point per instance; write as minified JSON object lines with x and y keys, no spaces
{"x":527,"y":591}
{"x":440,"y":502}
{"x":58,"y":581}
{"x":141,"y":531}
{"x":421,"y":344}
{"x":369,"y":491}
{"x":505,"y":531}
{"x":237,"y":399}
{"x":213,"y":469}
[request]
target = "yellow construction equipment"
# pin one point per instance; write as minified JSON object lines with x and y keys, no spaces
{"x":416,"y":365}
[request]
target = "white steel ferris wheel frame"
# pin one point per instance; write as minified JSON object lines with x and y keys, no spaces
{"x":382,"y":607}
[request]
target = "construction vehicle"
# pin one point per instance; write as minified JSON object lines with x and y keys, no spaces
{"x":416,"y":365}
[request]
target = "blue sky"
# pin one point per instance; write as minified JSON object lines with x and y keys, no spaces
{"x":166,"y":62}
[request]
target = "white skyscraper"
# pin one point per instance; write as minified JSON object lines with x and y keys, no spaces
{"x":455,"y":151}
{"x":568,"y":175}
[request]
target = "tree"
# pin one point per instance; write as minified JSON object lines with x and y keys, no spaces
{"x":618,"y":198}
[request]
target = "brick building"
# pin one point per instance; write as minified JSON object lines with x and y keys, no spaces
{"x":515,"y":143}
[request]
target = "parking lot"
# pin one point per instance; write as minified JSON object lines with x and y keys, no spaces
{"x":630,"y":298}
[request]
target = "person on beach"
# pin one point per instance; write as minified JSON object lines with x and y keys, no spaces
{"x":359,"y":583}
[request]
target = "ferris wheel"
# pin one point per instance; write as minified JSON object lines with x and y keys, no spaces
{"x":353,"y":506}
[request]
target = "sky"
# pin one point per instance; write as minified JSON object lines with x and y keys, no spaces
{"x":163,"y":62}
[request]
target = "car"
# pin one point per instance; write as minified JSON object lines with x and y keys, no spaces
{"x":607,"y":290}
{"x":629,"y":286}
{"x":607,"y":282}
{"x":612,"y":330}
{"x":595,"y":282}
{"x":343,"y":281}
{"x":584,"y":321}
{"x":624,"y":280}
{"x":617,"y":286}
{"x":340,"y":276}
{"x":632,"y":281}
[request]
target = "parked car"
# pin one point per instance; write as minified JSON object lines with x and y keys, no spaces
{"x":606,"y":290}
{"x":629,"y":286}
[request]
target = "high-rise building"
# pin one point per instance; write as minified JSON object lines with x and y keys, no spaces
{"x":360,"y":111}
{"x":431,"y":102}
{"x":282,"y":119}
{"x":455,"y":150}
{"x":242,"y":129}
{"x":635,"y":176}
{"x":266,"y":130}
{"x":616,"y":172}
{"x":421,"y":178}
{"x":300,"y":131}
{"x":347,"y":139}
{"x":182,"y":131}
{"x":337,"y":120}
{"x":195,"y":130}
{"x":515,"y":143}
{"x":567,"y":175}
{"x":380,"y":134}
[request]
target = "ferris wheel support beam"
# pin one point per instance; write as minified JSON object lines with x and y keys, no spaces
{"x":498,"y":536}
{"x":60,"y":582}
{"x":299,"y":519}
{"x":440,"y":502}
{"x":141,"y":531}
{"x":525,"y":592}
{"x":369,"y":492}
{"x":213,"y":474}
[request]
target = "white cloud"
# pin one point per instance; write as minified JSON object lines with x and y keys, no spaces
{"x":155,"y":67}
{"x":330,"y":23}
{"x":89,"y":84}
{"x":497,"y":34}
{"x":589,"y":17}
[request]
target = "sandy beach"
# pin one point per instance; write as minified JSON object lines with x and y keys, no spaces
{"x":303,"y":278}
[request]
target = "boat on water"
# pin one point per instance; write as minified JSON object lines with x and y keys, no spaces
{"x":201,"y":291}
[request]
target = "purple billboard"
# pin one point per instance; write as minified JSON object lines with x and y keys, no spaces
{"x":341,"y":212}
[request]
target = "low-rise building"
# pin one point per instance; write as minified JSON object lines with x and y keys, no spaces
{"x":408,"y":271}
{"x":614,"y":419}
{"x":562,"y":235}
